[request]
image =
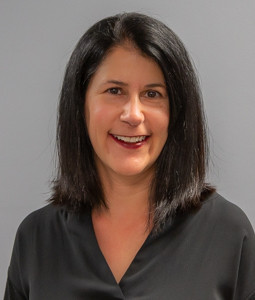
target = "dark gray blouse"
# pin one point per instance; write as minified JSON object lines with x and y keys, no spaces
{"x":201,"y":255}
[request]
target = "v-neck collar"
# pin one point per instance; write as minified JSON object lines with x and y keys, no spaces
{"x":104,"y":262}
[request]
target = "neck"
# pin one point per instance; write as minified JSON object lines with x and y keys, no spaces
{"x":127,"y":197}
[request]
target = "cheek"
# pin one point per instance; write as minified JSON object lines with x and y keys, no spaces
{"x":98,"y":118}
{"x":160,"y":128}
{"x":164,"y":122}
{"x":161,"y":121}
{"x":166,"y":118}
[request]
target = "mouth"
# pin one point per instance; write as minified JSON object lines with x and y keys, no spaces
{"x":130,"y":141}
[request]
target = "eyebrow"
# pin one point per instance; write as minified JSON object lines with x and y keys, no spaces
{"x":155,"y":85}
{"x":151,"y":85}
{"x":116,"y":82}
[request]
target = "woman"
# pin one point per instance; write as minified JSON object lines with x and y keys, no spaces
{"x":131,"y":216}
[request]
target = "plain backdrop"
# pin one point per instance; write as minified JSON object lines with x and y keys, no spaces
{"x":36,"y":40}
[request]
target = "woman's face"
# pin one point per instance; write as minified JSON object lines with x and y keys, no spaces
{"x":127,"y":113}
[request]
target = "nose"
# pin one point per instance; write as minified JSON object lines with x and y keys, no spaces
{"x":132,"y":112}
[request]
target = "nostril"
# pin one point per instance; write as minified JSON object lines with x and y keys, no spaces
{"x":132,"y":113}
{"x":132,"y":119}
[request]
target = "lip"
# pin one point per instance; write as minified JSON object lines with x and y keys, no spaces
{"x":127,"y":145}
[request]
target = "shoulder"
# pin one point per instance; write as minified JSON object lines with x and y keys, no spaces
{"x":46,"y":215}
{"x":218,"y":210}
{"x":228,"y":229}
{"x":50,"y":222}
{"x":45,"y":223}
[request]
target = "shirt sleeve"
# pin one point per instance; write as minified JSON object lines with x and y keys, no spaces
{"x":17,"y":273}
{"x":245,"y":288}
{"x":11,"y":292}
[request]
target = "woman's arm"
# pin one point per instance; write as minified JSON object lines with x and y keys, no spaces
{"x":11,"y":293}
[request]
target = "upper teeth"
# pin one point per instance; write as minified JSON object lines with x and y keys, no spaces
{"x":129,"y":139}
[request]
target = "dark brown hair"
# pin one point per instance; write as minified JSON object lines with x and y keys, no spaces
{"x":179,"y":181}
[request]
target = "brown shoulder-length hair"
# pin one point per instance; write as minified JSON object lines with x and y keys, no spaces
{"x":179,"y":181}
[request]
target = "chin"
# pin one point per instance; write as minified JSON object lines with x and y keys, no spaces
{"x":133,"y":171}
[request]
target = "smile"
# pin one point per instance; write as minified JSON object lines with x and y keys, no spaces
{"x":130,"y":139}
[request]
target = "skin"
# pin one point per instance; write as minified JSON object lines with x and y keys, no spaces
{"x":126,"y":101}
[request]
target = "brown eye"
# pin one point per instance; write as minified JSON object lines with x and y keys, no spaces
{"x":114,"y":91}
{"x":152,"y":94}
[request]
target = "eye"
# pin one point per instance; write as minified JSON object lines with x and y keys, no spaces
{"x":152,"y":94}
{"x":114,"y":91}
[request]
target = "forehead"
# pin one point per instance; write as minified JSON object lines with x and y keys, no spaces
{"x":126,"y":63}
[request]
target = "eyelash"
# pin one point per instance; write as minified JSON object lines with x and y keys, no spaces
{"x":156,"y":94}
{"x":110,"y":91}
{"x":118,"y":91}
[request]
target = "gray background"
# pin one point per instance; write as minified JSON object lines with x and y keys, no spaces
{"x":37,"y":38}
